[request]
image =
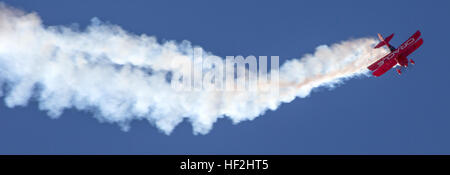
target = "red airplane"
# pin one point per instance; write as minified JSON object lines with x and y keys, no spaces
{"x":397,"y":55}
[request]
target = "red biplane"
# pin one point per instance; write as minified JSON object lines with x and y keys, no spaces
{"x":397,"y":55}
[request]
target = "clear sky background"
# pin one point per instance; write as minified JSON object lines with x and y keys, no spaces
{"x":408,"y":114}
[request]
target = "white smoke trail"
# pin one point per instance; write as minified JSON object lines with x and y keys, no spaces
{"x":120,"y":76}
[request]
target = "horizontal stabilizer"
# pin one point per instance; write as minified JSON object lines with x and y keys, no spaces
{"x":381,"y":44}
{"x":389,"y":38}
{"x":384,"y":41}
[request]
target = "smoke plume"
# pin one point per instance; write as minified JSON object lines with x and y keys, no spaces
{"x":119,"y":76}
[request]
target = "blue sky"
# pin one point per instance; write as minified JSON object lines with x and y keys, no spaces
{"x":407,"y":114}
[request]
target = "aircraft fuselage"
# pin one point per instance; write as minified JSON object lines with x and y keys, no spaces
{"x":401,"y":60}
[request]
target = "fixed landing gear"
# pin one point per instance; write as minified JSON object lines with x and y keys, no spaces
{"x":399,"y":71}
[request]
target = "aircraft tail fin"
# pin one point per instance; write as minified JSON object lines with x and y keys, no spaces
{"x":384,"y":41}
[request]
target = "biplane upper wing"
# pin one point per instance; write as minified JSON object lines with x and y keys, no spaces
{"x":410,"y":45}
{"x":385,"y":64}
{"x":378,"y":63}
{"x":411,"y":48}
{"x":411,"y":39}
